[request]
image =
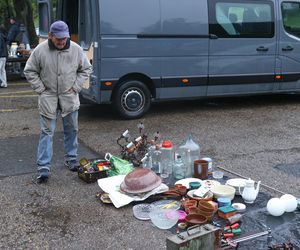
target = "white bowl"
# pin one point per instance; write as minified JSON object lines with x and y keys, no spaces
{"x":223,"y":191}
{"x":236,"y":183}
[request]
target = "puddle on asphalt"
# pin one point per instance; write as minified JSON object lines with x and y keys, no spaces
{"x":290,"y":169}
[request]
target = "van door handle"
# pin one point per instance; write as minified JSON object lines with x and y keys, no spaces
{"x":213,"y":36}
{"x":287,"y":48}
{"x":262,"y":48}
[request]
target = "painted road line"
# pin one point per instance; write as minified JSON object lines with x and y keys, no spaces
{"x":17,"y":92}
{"x":18,"y":84}
{"x":8,"y":110}
{"x":18,"y":96}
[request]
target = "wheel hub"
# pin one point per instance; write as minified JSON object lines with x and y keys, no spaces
{"x":133,"y":100}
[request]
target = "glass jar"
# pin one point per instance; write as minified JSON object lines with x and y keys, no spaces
{"x":179,"y":168}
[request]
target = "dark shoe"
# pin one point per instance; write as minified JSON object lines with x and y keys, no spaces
{"x":72,"y":165}
{"x":43,"y":176}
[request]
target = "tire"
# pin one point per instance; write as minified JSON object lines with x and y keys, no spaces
{"x":132,"y":99}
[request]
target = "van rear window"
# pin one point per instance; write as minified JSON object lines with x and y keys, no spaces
{"x":291,"y":17}
{"x":242,"y":19}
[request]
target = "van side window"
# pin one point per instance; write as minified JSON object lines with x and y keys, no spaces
{"x":241,"y":19}
{"x":290,"y":17}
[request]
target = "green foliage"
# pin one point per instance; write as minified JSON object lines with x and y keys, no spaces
{"x":7,"y":10}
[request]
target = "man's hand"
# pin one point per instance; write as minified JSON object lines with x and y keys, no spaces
{"x":72,"y":91}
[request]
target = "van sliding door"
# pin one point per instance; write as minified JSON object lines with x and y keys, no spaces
{"x":242,"y":53}
{"x":289,"y":45}
{"x":184,"y":39}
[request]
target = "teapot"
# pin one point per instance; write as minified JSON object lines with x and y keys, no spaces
{"x":249,"y":193}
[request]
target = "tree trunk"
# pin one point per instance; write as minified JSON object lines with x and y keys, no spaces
{"x":7,"y":11}
{"x":24,"y":15}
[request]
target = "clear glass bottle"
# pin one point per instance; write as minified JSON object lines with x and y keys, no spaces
{"x":167,"y":158}
{"x":189,"y":165}
{"x":179,"y":168}
{"x":147,"y":161}
{"x":151,"y":148}
{"x":194,"y":148}
{"x":156,"y":160}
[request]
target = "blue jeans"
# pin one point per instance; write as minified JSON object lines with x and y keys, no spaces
{"x":45,"y":147}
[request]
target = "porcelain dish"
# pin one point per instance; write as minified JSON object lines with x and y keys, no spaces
{"x":236,"y":183}
{"x":223,"y":191}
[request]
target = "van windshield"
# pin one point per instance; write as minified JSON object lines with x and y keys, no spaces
{"x":291,"y":17}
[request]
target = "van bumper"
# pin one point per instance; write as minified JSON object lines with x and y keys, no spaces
{"x":86,"y":97}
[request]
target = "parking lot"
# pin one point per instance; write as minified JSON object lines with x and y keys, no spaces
{"x":256,"y":137}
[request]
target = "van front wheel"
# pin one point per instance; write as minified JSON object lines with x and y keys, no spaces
{"x":132,"y":99}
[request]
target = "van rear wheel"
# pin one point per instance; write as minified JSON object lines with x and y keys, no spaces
{"x":132,"y":99}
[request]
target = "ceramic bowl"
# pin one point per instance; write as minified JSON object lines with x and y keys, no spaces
{"x":196,"y":219}
{"x":208,"y":215}
{"x":223,"y":191}
{"x":206,"y":207}
{"x":140,"y":180}
{"x":164,"y":218}
{"x":194,"y":184}
{"x":236,"y":183}
{"x":194,"y":210}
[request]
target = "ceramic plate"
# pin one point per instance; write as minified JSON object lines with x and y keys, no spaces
{"x":210,"y":183}
{"x":186,"y":182}
{"x":141,"y":211}
{"x":236,"y":182}
{"x":168,"y":204}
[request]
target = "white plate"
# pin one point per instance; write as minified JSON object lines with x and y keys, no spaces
{"x":210,"y":183}
{"x":186,"y":182}
{"x":236,"y":182}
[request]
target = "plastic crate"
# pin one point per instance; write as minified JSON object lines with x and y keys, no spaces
{"x":92,"y":177}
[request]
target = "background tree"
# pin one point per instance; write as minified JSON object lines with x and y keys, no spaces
{"x":24,"y":15}
{"x":25,"y":11}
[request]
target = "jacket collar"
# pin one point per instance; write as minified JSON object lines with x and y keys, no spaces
{"x":52,"y":47}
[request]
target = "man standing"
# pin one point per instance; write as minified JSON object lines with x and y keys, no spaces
{"x":57,"y":69}
{"x":13,"y":31}
{"x":3,"y":56}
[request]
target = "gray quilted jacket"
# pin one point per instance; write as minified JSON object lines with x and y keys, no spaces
{"x":57,"y":76}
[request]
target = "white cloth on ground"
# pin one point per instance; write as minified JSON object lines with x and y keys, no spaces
{"x":111,"y":185}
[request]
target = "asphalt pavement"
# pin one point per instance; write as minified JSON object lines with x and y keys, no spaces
{"x":256,"y":137}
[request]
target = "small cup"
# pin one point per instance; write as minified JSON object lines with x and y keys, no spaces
{"x":217,"y":174}
{"x":224,"y":202}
